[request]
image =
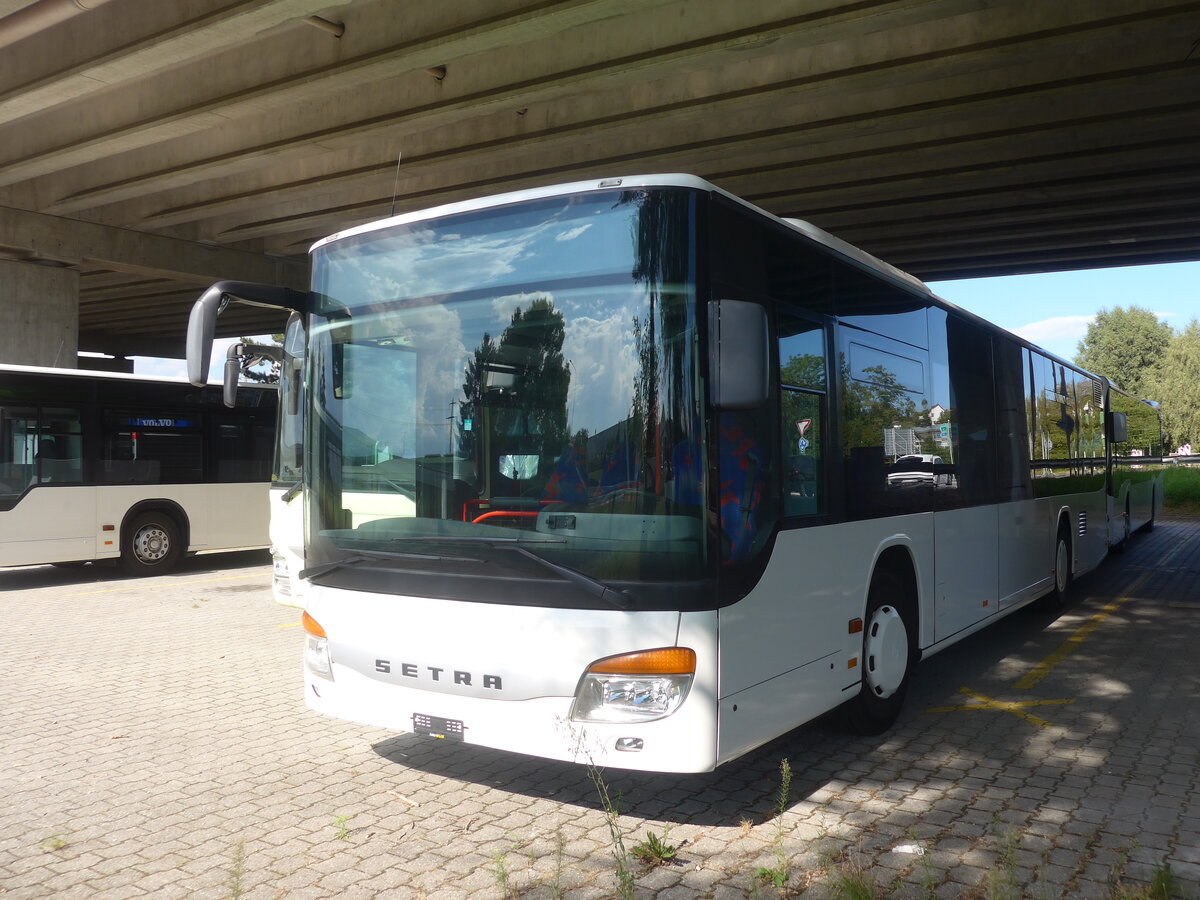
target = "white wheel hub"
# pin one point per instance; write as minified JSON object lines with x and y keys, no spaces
{"x":151,"y":544}
{"x":886,"y":651}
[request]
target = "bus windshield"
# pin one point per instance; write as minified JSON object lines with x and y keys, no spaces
{"x":505,"y":406}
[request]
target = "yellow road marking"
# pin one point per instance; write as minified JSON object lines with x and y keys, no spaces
{"x":1017,"y":708}
{"x":161,"y":587}
{"x":1042,"y":669}
{"x":289,"y":625}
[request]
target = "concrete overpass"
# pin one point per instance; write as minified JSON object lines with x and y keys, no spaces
{"x":148,"y":148}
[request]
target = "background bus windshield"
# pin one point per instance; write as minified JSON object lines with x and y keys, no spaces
{"x":513,"y":392}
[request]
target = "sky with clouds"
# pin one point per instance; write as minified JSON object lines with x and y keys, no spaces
{"x":1052,"y":310}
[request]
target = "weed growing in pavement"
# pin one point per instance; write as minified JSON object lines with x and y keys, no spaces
{"x":556,"y":886}
{"x":1001,"y":882}
{"x":1164,"y":885}
{"x":56,"y":841}
{"x":778,"y":874}
{"x":500,"y":860}
{"x":850,"y":882}
{"x":343,"y":830}
{"x":625,"y":882}
{"x":238,"y":872}
{"x":656,"y":851}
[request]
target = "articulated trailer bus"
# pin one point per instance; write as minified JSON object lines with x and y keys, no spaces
{"x":634,"y":473}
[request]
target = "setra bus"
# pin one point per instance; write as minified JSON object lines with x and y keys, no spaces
{"x":632,"y":472}
{"x":131,"y":468}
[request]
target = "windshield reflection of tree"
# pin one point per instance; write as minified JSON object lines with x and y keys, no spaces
{"x":662,"y":249}
{"x":513,"y":420}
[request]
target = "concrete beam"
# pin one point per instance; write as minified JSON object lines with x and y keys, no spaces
{"x":31,"y":235}
{"x":145,"y":54}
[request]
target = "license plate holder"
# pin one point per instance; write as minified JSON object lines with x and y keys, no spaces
{"x":437,"y":727}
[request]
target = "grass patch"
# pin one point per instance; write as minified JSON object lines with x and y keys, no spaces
{"x":1181,"y":490}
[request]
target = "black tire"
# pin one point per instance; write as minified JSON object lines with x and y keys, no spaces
{"x":150,"y":545}
{"x":888,"y":657}
{"x":1063,"y":567}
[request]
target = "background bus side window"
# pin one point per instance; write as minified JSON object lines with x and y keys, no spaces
{"x":18,"y":467}
{"x":61,"y":449}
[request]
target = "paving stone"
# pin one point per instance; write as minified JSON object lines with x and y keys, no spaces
{"x":154,"y":788}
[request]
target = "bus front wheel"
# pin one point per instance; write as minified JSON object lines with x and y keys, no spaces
{"x":151,"y":545}
{"x":887,"y":657}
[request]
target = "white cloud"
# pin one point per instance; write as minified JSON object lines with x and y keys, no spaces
{"x":1057,"y":328}
{"x":572,"y":233}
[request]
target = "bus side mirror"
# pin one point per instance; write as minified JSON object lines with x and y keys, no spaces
{"x":233,"y":369}
{"x":202,"y":324}
{"x":738,"y":354}
{"x":1120,"y":427}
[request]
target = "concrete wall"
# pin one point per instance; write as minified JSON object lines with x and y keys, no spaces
{"x":39,"y":315}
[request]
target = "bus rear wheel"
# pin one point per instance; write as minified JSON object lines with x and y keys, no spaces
{"x":1062,"y":567}
{"x":887,"y":658}
{"x":151,"y":545}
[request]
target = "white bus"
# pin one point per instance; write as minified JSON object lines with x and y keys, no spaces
{"x":140,"y":470}
{"x":629,"y":472}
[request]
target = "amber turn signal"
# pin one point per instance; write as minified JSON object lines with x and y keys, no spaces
{"x":312,"y":626}
{"x":663,"y":661}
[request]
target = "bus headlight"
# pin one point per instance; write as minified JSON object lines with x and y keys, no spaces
{"x":316,"y":648}
{"x":635,"y":687}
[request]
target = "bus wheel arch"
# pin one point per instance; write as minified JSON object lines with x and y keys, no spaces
{"x":154,"y":537}
{"x":890,"y":644}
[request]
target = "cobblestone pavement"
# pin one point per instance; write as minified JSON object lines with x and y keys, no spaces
{"x":155,"y":743}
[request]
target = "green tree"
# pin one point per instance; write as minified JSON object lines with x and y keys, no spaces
{"x":1177,"y":388}
{"x":1127,"y":345}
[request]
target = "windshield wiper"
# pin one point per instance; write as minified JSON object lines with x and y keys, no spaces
{"x":356,"y":558}
{"x":474,"y":540}
{"x":593,"y":586}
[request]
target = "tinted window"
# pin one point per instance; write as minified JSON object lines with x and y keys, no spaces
{"x":802,"y":403}
{"x":155,"y":447}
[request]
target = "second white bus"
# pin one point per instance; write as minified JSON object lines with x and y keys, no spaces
{"x":138,"y":470}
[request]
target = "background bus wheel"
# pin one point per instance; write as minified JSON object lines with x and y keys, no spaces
{"x":1062,"y":568}
{"x":887,"y":658}
{"x":151,"y":545}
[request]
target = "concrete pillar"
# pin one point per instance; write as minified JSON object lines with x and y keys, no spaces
{"x":39,"y":315}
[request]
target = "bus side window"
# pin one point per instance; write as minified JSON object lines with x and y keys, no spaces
{"x":18,"y":468}
{"x":802,"y":396}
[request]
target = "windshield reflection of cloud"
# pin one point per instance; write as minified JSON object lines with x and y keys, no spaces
{"x":602,"y":368}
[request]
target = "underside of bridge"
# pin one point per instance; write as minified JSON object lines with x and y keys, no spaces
{"x":149,"y":148}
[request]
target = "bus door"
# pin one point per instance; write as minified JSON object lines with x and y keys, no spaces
{"x":966,"y":517}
